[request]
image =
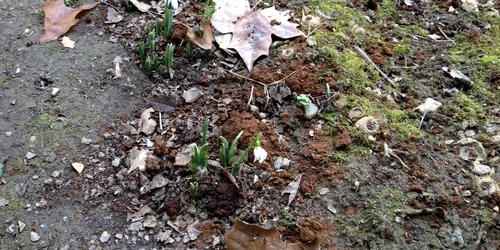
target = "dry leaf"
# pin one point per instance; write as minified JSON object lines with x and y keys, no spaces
{"x":246,"y":236}
{"x":164,"y":103}
{"x":292,"y":189}
{"x":146,"y":125}
{"x":137,"y":159}
{"x":205,"y":41}
{"x":113,"y":16}
{"x":59,"y":19}
{"x":66,"y":42}
{"x":140,"y":5}
{"x":430,"y":105}
{"x":251,"y":29}
{"x":252,"y":37}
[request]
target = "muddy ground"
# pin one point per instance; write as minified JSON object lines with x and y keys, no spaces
{"x":408,"y":183}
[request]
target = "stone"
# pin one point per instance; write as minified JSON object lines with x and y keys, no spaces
{"x":104,"y":237}
{"x":34,"y":237}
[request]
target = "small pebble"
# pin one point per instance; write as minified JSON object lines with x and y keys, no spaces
{"x":55,"y":91}
{"x":30,"y":155}
{"x":323,"y":191}
{"x":55,"y":174}
{"x":311,"y":110}
{"x":104,"y":237}
{"x":8,"y":133}
{"x":86,"y":140}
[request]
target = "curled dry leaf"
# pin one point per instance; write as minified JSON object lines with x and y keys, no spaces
{"x":59,"y":19}
{"x":430,"y":105}
{"x":144,"y":7}
{"x":137,"y":159}
{"x":205,"y":41}
{"x":147,"y":125}
{"x":246,"y":236}
{"x":292,"y":189}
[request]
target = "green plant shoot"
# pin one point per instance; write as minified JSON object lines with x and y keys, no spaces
{"x":148,"y":65}
{"x":158,"y":27}
{"x":155,"y":61}
{"x":189,"y":49}
{"x":303,"y":99}
{"x":208,"y":11}
{"x":128,"y":6}
{"x":148,"y":28}
{"x":169,"y":19}
{"x":151,"y":41}
{"x":142,"y":51}
{"x":193,"y":190}
{"x":237,"y":165}
{"x":168,"y":58}
{"x":226,"y":152}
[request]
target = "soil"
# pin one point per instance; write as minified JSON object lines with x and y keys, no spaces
{"x":411,"y":184}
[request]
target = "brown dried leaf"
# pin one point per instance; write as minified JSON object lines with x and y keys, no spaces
{"x":59,"y":18}
{"x":246,"y":236}
{"x":205,"y":41}
{"x":252,"y":37}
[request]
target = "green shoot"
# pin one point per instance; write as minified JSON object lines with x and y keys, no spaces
{"x":303,"y":99}
{"x":128,"y":6}
{"x":169,"y":15}
{"x":155,"y":61}
{"x":142,"y":51}
{"x":226,"y":152}
{"x":237,"y":165}
{"x":158,"y":27}
{"x":148,"y":65}
{"x":189,"y":49}
{"x":200,"y":156}
{"x":193,"y":190}
{"x":151,"y":41}
{"x":148,"y":28}
{"x":208,"y":11}
{"x":168,"y":58}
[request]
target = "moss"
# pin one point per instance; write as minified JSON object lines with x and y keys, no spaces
{"x":401,"y":49}
{"x":466,"y":109}
{"x":401,"y":124}
{"x":356,"y":74}
{"x":387,"y":8}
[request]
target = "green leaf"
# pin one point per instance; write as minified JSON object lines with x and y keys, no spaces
{"x":1,"y":169}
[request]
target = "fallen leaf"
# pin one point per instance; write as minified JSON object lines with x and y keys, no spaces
{"x":66,"y":42}
{"x":430,"y":105}
{"x":118,"y":71}
{"x":140,"y":5}
{"x":137,"y":159}
{"x":147,"y":125}
{"x":292,"y":188}
{"x":78,"y":167}
{"x":252,"y":37}
{"x":246,"y":236}
{"x":251,"y":29}
{"x":165,"y":103}
{"x":4,"y":202}
{"x":113,"y":16}
{"x":59,"y":18}
{"x":192,"y":95}
{"x":205,"y":41}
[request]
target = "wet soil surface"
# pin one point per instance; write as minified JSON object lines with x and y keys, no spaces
{"x":403,"y":180}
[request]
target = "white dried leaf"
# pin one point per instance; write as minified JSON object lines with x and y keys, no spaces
{"x":140,"y":5}
{"x":137,"y":159}
{"x":430,"y":105}
{"x":292,"y":188}
{"x":147,"y":125}
{"x":227,"y":12}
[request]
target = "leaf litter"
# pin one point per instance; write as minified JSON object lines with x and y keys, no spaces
{"x":59,"y":19}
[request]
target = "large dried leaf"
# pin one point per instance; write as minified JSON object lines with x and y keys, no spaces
{"x":252,"y":37}
{"x":246,"y":236}
{"x":59,"y":19}
{"x":205,"y":41}
{"x":227,"y":12}
{"x":147,"y":125}
{"x":251,"y":29}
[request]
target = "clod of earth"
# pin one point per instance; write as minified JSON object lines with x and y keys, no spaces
{"x":59,"y":18}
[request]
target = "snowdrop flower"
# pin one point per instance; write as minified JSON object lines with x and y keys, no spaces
{"x":259,"y":153}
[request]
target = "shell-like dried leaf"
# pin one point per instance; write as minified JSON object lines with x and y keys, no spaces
{"x":292,"y":189}
{"x":144,"y":7}
{"x":146,"y":125}
{"x":137,"y":159}
{"x":205,"y":41}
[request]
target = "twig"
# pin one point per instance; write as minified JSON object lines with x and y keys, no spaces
{"x":246,"y":78}
{"x":367,"y":58}
{"x":161,"y":123}
{"x":400,"y":161}
{"x":250,"y":98}
{"x":105,"y":2}
{"x":444,"y":34}
{"x":421,"y":121}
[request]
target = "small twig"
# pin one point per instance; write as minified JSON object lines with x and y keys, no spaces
{"x":250,"y":98}
{"x":246,"y":78}
{"x":479,"y":235}
{"x":161,"y":123}
{"x":367,"y":58}
{"x":422,"y":120}
{"x":105,"y":2}
{"x":444,"y":34}
{"x":282,"y":79}
{"x":399,"y":159}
